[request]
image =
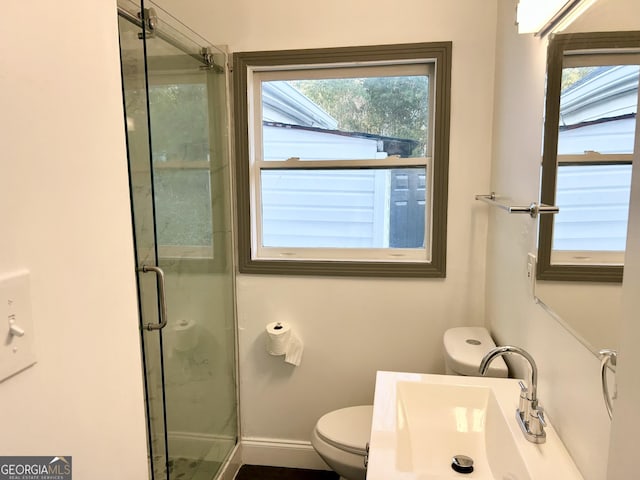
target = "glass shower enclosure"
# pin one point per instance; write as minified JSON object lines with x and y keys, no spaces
{"x":174,"y":89}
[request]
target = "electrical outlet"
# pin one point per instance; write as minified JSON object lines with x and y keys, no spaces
{"x":531,"y":272}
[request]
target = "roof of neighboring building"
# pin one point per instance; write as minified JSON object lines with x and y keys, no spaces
{"x":284,"y":106}
{"x":391,"y":145}
{"x":604,"y":94}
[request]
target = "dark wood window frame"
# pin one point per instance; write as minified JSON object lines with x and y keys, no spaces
{"x":441,"y":53}
{"x":558,"y":45}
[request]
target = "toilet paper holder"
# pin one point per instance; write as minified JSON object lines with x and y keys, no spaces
{"x":281,"y":340}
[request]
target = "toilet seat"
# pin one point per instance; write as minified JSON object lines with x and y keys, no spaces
{"x":347,"y":429}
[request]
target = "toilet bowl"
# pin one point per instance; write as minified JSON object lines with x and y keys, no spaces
{"x":340,"y":437}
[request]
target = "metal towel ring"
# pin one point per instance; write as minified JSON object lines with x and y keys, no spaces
{"x":607,"y":357}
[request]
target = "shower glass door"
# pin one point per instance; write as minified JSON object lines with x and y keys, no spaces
{"x":174,"y":89}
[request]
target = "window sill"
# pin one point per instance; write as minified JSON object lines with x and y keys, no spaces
{"x":345,"y":268}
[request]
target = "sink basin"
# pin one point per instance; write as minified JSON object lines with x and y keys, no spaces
{"x":437,"y":421}
{"x":420,"y":422}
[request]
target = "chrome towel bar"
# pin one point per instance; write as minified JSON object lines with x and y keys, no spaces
{"x":533,"y":209}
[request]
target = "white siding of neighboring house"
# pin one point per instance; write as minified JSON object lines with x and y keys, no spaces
{"x":594,"y":200}
{"x":594,"y":208}
{"x":605,"y":138}
{"x":324,"y":208}
{"x":347,"y":208}
{"x":283,"y":142}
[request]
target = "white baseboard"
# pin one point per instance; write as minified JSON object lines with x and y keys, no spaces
{"x":281,"y":453}
{"x":230,"y":468}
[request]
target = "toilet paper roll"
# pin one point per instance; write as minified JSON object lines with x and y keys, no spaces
{"x":185,"y":335}
{"x":293,"y":355}
{"x":278,"y":337}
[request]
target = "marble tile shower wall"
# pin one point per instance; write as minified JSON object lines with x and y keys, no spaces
{"x":194,"y":377}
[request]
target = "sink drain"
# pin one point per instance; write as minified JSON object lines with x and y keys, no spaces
{"x":462,"y":464}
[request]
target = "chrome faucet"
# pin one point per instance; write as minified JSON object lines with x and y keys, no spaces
{"x":529,"y":414}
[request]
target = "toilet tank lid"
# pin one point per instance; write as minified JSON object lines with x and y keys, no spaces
{"x":464,"y":348}
{"x":348,"y":428}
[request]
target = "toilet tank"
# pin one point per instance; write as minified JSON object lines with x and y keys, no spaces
{"x":464,"y":348}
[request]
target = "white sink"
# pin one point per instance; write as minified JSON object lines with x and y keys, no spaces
{"x":421,"y":421}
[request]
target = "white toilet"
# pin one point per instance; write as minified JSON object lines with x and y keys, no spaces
{"x":340,"y":437}
{"x":464,"y":348}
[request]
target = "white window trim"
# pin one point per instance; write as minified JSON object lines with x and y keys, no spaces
{"x":595,"y":158}
{"x":587,"y":257}
{"x":256,"y":76}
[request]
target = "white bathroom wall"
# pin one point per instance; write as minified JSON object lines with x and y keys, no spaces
{"x":353,"y":327}
{"x":626,"y":421}
{"x":64,"y":205}
{"x":582,"y":308}
{"x":569,"y":385}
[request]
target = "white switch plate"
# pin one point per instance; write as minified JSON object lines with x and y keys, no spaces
{"x":16,"y":351}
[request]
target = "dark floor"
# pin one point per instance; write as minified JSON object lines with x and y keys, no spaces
{"x":260,"y":472}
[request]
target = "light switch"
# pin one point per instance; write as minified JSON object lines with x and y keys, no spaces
{"x":16,"y":324}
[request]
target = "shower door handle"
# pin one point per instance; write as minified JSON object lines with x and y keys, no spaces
{"x":161,"y":297}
